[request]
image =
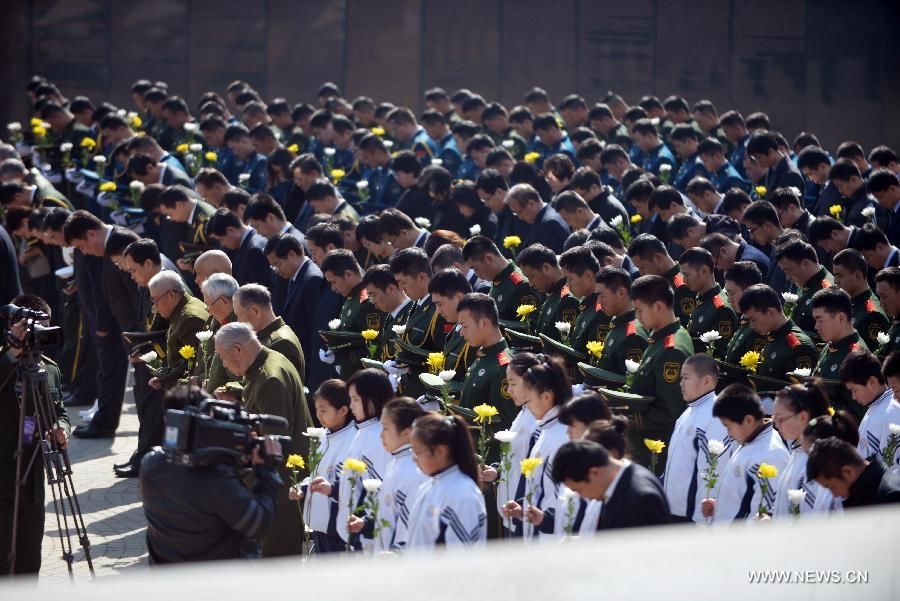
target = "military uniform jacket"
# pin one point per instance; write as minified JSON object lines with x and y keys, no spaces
{"x":788,"y":348}
{"x":188,"y":318}
{"x":869,"y":318}
{"x":210,"y":364}
{"x":387,"y":349}
{"x":802,"y":315}
{"x":685,"y":300}
{"x":626,"y":339}
{"x":458,"y":355}
{"x":745,"y":339}
{"x":658,"y":376}
{"x":712,"y":312}
{"x":486,"y":383}
{"x":829,"y":368}
{"x":510,"y":290}
{"x":424,"y":327}
{"x":279,"y":336}
{"x":559,"y":305}
{"x":894,"y":343}
{"x":591,"y":324}
{"x":357,"y":314}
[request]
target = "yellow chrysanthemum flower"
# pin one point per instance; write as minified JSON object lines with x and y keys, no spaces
{"x":532,"y":157}
{"x":211,"y":157}
{"x":295,"y":462}
{"x":655,"y":446}
{"x":88,"y":143}
{"x":831,"y":411}
{"x":835,"y":210}
{"x":108,"y":187}
{"x":436,"y":361}
{"x":337,"y":174}
{"x":485,"y":412}
{"x":136,"y":121}
{"x":529,"y":464}
{"x":636,"y":218}
{"x":378,"y":131}
{"x":595,"y":347}
{"x":751,"y":360}
{"x":354,"y":465}
{"x":39,"y":130}
{"x":767,"y":471}
{"x":511,"y":242}
{"x":523,"y":311}
{"x":35,"y":122}
{"x":182,"y":148}
{"x":369,"y":335}
{"x":187,"y":352}
{"x":761,"y":191}
{"x":294,"y":148}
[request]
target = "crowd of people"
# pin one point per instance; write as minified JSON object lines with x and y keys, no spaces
{"x":478,"y":322}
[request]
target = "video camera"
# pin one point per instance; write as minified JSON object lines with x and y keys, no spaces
{"x":37,"y":337}
{"x":215,"y":432}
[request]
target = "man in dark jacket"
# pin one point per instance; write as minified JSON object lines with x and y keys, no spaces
{"x":838,"y":466}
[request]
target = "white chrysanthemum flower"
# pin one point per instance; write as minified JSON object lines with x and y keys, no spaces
{"x":475,"y":230}
{"x":447,"y":375}
{"x":318,"y":433}
{"x":371,"y":485}
{"x":715,"y":447}
{"x":121,"y":113}
{"x":894,"y":429}
{"x":99,"y":159}
{"x":204,"y":335}
{"x":243,"y":179}
{"x":334,"y":324}
{"x":631,"y":366}
{"x":423,"y":222}
{"x":795,"y":190}
{"x":505,"y":436}
{"x":14,"y":126}
{"x":710,"y":336}
{"x":191,"y":127}
{"x":195,"y":147}
{"x":436,"y":161}
{"x":329,"y":152}
{"x":796,"y":495}
{"x":567,"y":495}
{"x":789,"y":297}
{"x":388,"y":144}
{"x":665,"y":168}
{"x":362,"y":184}
{"x":802,"y":372}
{"x":509,"y":144}
{"x":616,"y":221}
{"x":564,"y":327}
{"x":399,"y":329}
{"x":149,"y":357}
{"x":868,"y":212}
{"x":137,"y":186}
{"x":883,"y":338}
{"x":65,"y":147}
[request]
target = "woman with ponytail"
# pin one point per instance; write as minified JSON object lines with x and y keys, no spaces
{"x":794,"y":406}
{"x":449,"y":506}
{"x":841,"y":425}
{"x":545,"y":388}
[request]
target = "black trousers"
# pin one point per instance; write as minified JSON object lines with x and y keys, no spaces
{"x":151,"y":409}
{"x":28,"y":537}
{"x":327,"y":543}
{"x":112,"y":373}
{"x":78,"y":357}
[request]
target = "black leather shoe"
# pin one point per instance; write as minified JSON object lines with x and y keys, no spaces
{"x":132,"y":459}
{"x":132,"y":470}
{"x":90,"y":431}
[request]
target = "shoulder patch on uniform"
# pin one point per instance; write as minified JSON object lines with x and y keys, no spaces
{"x":874,"y":329}
{"x":504,"y":389}
{"x":678,"y":280}
{"x":792,"y":340}
{"x":870,"y":306}
{"x":725,"y":328}
{"x":631,"y":328}
{"x":671,"y":371}
{"x":373,"y":321}
{"x":669,"y":342}
{"x":448,"y":327}
{"x":804,"y":362}
{"x":503,"y":358}
{"x":515,"y":278}
{"x":564,"y":292}
{"x":854,"y":347}
{"x":363,"y":295}
{"x":635,"y":355}
{"x":717,"y":302}
{"x":826,"y":283}
{"x":597,"y":306}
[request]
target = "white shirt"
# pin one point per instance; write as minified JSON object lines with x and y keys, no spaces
{"x":738,"y":493}
{"x":615,"y":481}
{"x":523,"y":425}
{"x":553,"y":434}
{"x":890,"y":256}
{"x":793,"y":477}
{"x":398,"y":492}
{"x":689,"y":456}
{"x":317,"y":508}
{"x":875,"y":427}
{"x":449,"y":509}
{"x":368,"y":448}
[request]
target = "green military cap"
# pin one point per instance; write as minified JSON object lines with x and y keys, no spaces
{"x":342,"y":339}
{"x":595,"y":376}
{"x":513,"y":324}
{"x":764,"y":384}
{"x":524,"y":342}
{"x":729,"y":373}
{"x":434,"y":383}
{"x":625,"y":401}
{"x":190,"y":251}
{"x":555,"y":347}
{"x":366,"y":362}
{"x":411,"y":355}
{"x":143,"y":341}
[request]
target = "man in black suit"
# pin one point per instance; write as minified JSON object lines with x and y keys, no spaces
{"x":632,"y":496}
{"x":88,"y":235}
{"x":538,"y":221}
{"x":884,"y":185}
{"x":148,"y":170}
{"x":838,"y":466}
{"x":266,"y":216}
{"x":763,"y":148}
{"x":309,"y":305}
{"x":244,"y":247}
{"x":10,"y":286}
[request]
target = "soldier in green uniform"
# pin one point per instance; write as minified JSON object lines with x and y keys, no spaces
{"x":711,"y":311}
{"x":887,"y":287}
{"x":486,"y":380}
{"x":541,"y":266}
{"x":800,"y":264}
{"x":580,"y":267}
{"x":253,"y":305}
{"x":603,"y":123}
{"x":738,"y":277}
{"x":787,"y":348}
{"x":659,"y":372}
{"x":626,"y":338}
{"x":509,"y":288}
{"x":187,"y":315}
{"x":385,"y":294}
{"x":447,"y":288}
{"x":358,"y":312}
{"x":64,"y":129}
{"x":273,"y":386}
{"x":31,"y":503}
{"x":850,"y":275}
{"x":833,"y":310}
{"x":651,"y":258}
{"x":189,"y":216}
{"x":218,"y":291}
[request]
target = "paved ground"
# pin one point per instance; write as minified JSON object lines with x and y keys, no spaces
{"x":111,"y":506}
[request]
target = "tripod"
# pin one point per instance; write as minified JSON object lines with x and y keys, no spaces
{"x":38,"y":414}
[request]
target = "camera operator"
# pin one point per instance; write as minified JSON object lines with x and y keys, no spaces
{"x":206,"y":513}
{"x":30,"y":530}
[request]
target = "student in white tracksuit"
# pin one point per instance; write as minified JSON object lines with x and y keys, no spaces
{"x":369,"y":390}
{"x":861,"y":373}
{"x":841,"y":425}
{"x":449,"y":506}
{"x":544,"y":387}
{"x":794,"y":406}
{"x":402,"y":479}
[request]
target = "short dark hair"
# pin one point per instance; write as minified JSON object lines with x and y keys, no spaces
{"x":491,"y":180}
{"x":744,"y":274}
{"x":479,"y":246}
{"x":796,"y":251}
{"x":537,"y":255}
{"x":323,"y":234}
{"x":289,"y":244}
{"x":221,"y":220}
{"x":704,"y":365}
{"x":736,"y":402}
{"x":760,"y":297}
{"x":374,"y":388}
{"x":664,"y":197}
{"x":393,"y":222}
{"x":262,"y":205}
{"x":698,"y":257}
{"x":829,"y":456}
{"x":843,"y":170}
{"x":646,"y":246}
{"x":380,"y":276}
{"x":575,"y":458}
{"x":410,"y":262}
{"x":888,"y":275}
{"x":760,"y":212}
{"x":143,"y":250}
{"x":821,"y":228}
{"x":172,"y":195}
{"x":614,"y":278}
{"x":761,"y":142}
{"x":833,"y":300}
{"x":585,"y":408}
{"x":881,"y":180}
{"x":449,"y":282}
{"x":118,"y":241}
{"x":860,"y":365}
{"x":79,"y":224}
{"x":869,"y":236}
{"x":653,"y":288}
{"x":852,"y":260}
{"x":891,"y":366}
{"x":811,"y":157}
{"x":578,"y":260}
{"x":340,"y":261}
{"x":481,"y":306}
